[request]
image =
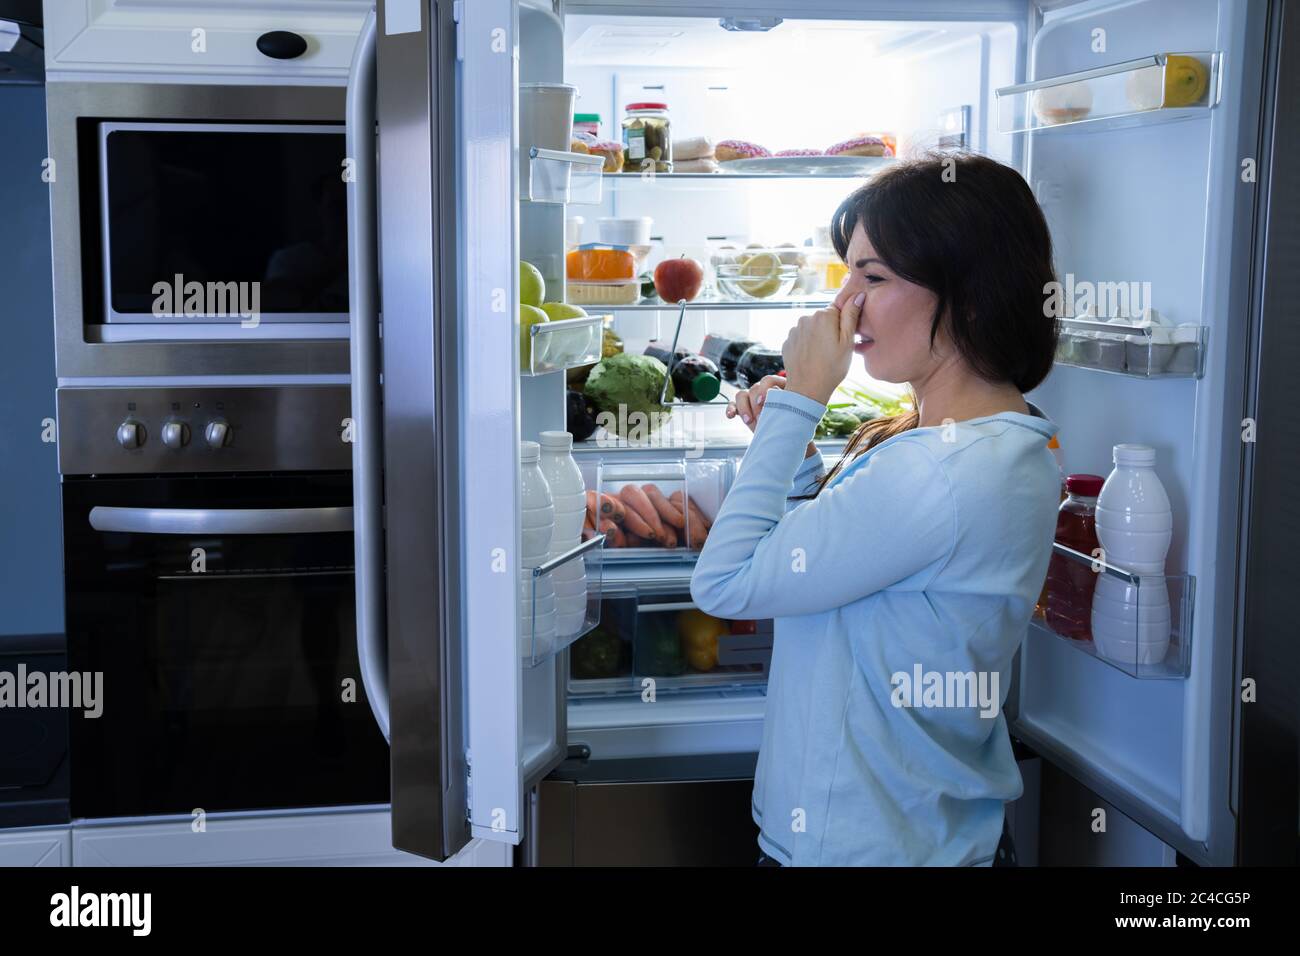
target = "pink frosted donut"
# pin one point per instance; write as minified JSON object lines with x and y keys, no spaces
{"x":861,"y":146}
{"x":798,"y":152}
{"x":730,"y":149}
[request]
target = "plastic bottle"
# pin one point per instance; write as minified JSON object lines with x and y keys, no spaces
{"x":1069,"y":584}
{"x":695,"y":378}
{"x":1130,"y":623}
{"x":536,"y":624}
{"x":569,"y":497}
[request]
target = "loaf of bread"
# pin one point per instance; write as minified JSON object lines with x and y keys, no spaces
{"x":709,"y":165}
{"x":697,"y":147}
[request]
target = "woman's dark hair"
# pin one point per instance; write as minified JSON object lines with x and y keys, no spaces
{"x":968,"y":229}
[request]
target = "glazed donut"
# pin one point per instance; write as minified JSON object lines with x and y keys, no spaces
{"x":798,"y":152}
{"x":730,"y":149}
{"x":860,"y":146}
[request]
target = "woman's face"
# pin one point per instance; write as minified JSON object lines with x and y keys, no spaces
{"x":894,"y":328}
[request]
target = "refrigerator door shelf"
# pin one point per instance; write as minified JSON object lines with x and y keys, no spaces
{"x":1135,"y":351}
{"x":564,"y":344}
{"x":545,"y":631}
{"x":1157,"y":88}
{"x":562,"y":178}
{"x":1141,"y":623}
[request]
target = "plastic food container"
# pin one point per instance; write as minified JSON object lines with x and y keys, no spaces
{"x":626,"y":292}
{"x":632,"y":231}
{"x":588,"y":123}
{"x":546,"y":121}
{"x":573,"y":231}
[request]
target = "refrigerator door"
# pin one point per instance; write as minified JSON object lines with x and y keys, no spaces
{"x":1168,"y":209}
{"x":436,"y":421}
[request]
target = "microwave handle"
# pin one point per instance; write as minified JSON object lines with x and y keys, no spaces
{"x":367,"y":426}
{"x":221,"y":520}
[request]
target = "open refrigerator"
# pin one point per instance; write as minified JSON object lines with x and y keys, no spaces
{"x":445,"y":201}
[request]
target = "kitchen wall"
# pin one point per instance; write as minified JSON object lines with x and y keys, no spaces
{"x":31,"y":566}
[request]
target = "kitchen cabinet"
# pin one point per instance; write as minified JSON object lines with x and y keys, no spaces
{"x":348,"y":838}
{"x":167,"y":41}
{"x":36,"y":846}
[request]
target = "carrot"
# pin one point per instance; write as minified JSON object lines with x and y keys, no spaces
{"x":633,"y":522}
{"x":636,"y":500}
{"x":699,"y":525}
{"x":635,"y":540}
{"x":669,"y":538}
{"x":611,"y":507}
{"x":667,"y":510}
{"x":616,"y":538}
{"x":593,"y":508}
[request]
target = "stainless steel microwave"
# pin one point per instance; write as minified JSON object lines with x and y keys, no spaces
{"x":172,"y":203}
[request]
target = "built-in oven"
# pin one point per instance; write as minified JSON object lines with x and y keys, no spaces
{"x":198,"y":230}
{"x":209,"y":583}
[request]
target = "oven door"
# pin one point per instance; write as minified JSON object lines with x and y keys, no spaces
{"x":226,"y":640}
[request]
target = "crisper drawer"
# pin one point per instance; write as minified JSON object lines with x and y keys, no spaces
{"x":664,"y":637}
{"x":654,"y":509}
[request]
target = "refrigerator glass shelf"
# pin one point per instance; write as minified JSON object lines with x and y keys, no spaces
{"x":561,"y":178}
{"x":1140,"y":624}
{"x":543,"y":628}
{"x":702,"y":305}
{"x":1156,"y":88}
{"x":555,"y":346}
{"x":1131,"y":350}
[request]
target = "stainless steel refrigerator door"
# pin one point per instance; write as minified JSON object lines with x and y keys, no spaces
{"x":422,"y":401}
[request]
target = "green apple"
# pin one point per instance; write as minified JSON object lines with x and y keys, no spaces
{"x":530,"y":315}
{"x":532,"y":287}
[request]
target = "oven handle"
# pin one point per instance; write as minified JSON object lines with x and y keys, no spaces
{"x":367,"y":425}
{"x":221,"y":520}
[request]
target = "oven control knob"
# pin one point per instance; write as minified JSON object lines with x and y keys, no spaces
{"x":217,"y":434}
{"x":175,"y":434}
{"x":130,"y":434}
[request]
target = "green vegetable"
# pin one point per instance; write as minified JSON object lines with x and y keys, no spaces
{"x":623,"y":385}
{"x":598,"y":654}
{"x":838,"y":422}
{"x":658,"y":647}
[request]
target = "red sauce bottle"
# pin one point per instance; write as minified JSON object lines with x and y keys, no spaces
{"x":1070,"y":584}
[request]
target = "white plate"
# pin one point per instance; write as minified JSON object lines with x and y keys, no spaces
{"x":807,"y":165}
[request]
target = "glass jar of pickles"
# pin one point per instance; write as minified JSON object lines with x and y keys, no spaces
{"x":647,"y":143}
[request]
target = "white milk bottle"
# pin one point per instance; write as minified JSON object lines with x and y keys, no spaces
{"x":1130,"y":623}
{"x":569,"y":495}
{"x":536,"y":626}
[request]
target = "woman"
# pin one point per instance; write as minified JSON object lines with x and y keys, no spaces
{"x":917,"y":560}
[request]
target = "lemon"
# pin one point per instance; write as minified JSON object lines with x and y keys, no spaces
{"x":1186,"y":79}
{"x":763,"y":264}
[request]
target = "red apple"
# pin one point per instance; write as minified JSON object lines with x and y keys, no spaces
{"x":677,"y":279}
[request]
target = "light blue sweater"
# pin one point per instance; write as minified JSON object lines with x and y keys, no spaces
{"x":926,"y":554}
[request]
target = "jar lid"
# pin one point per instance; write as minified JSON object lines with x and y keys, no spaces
{"x":529,"y":451}
{"x":586,"y":117}
{"x":1089,"y":486}
{"x":1134,"y":455}
{"x":647,"y":106}
{"x":562,"y":440}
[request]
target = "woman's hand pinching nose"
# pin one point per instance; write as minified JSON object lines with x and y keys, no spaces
{"x":819,"y":349}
